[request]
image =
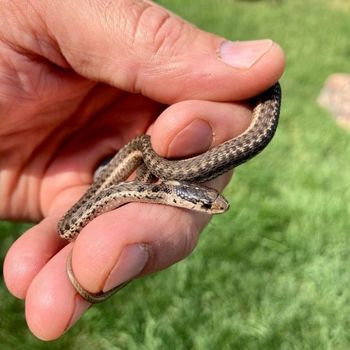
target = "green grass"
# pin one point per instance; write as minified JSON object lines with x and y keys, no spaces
{"x":274,"y":272}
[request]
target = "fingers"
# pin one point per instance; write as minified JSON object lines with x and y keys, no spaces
{"x":133,"y":241}
{"x":108,"y":254}
{"x":171,"y":236}
{"x":141,"y":47}
{"x":192,"y":127}
{"x":29,"y":254}
{"x":51,"y":303}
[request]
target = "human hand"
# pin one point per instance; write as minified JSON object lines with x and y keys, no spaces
{"x":77,"y":81}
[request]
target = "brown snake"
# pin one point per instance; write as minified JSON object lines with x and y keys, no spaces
{"x":177,"y":180}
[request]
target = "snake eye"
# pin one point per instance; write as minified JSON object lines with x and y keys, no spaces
{"x":206,"y":206}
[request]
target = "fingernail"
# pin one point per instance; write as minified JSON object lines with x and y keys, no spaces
{"x":244,"y":54}
{"x":130,"y":263}
{"x":195,"y":138}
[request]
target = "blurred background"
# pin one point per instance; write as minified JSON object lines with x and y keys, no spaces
{"x":273,"y":272}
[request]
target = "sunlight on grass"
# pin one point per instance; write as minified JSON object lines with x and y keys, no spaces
{"x":272,"y":273}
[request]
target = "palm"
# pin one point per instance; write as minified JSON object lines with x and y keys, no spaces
{"x":67,"y":125}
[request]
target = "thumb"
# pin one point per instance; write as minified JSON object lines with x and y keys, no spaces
{"x":141,"y":47}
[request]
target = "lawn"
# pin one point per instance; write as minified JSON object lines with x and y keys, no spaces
{"x":273,"y":272}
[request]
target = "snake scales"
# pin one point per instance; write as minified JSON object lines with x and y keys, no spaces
{"x":178,"y":180}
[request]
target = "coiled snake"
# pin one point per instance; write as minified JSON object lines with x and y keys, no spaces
{"x":177,"y":180}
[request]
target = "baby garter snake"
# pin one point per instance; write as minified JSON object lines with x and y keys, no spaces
{"x":170,"y":182}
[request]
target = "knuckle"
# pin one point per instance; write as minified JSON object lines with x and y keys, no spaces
{"x":158,"y":32}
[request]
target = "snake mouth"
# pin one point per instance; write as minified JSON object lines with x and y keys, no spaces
{"x":219,"y":205}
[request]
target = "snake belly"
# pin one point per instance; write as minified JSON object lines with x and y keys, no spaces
{"x":178,"y":180}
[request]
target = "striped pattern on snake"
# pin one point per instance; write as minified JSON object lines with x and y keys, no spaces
{"x":109,"y":189}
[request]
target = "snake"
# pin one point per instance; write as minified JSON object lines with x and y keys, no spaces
{"x":171,"y":182}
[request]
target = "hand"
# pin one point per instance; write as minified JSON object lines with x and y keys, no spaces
{"x":77,"y":81}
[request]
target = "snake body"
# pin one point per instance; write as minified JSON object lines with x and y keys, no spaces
{"x":177,"y":179}
{"x":109,"y":190}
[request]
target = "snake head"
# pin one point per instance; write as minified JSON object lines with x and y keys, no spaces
{"x":198,"y":198}
{"x":219,"y":205}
